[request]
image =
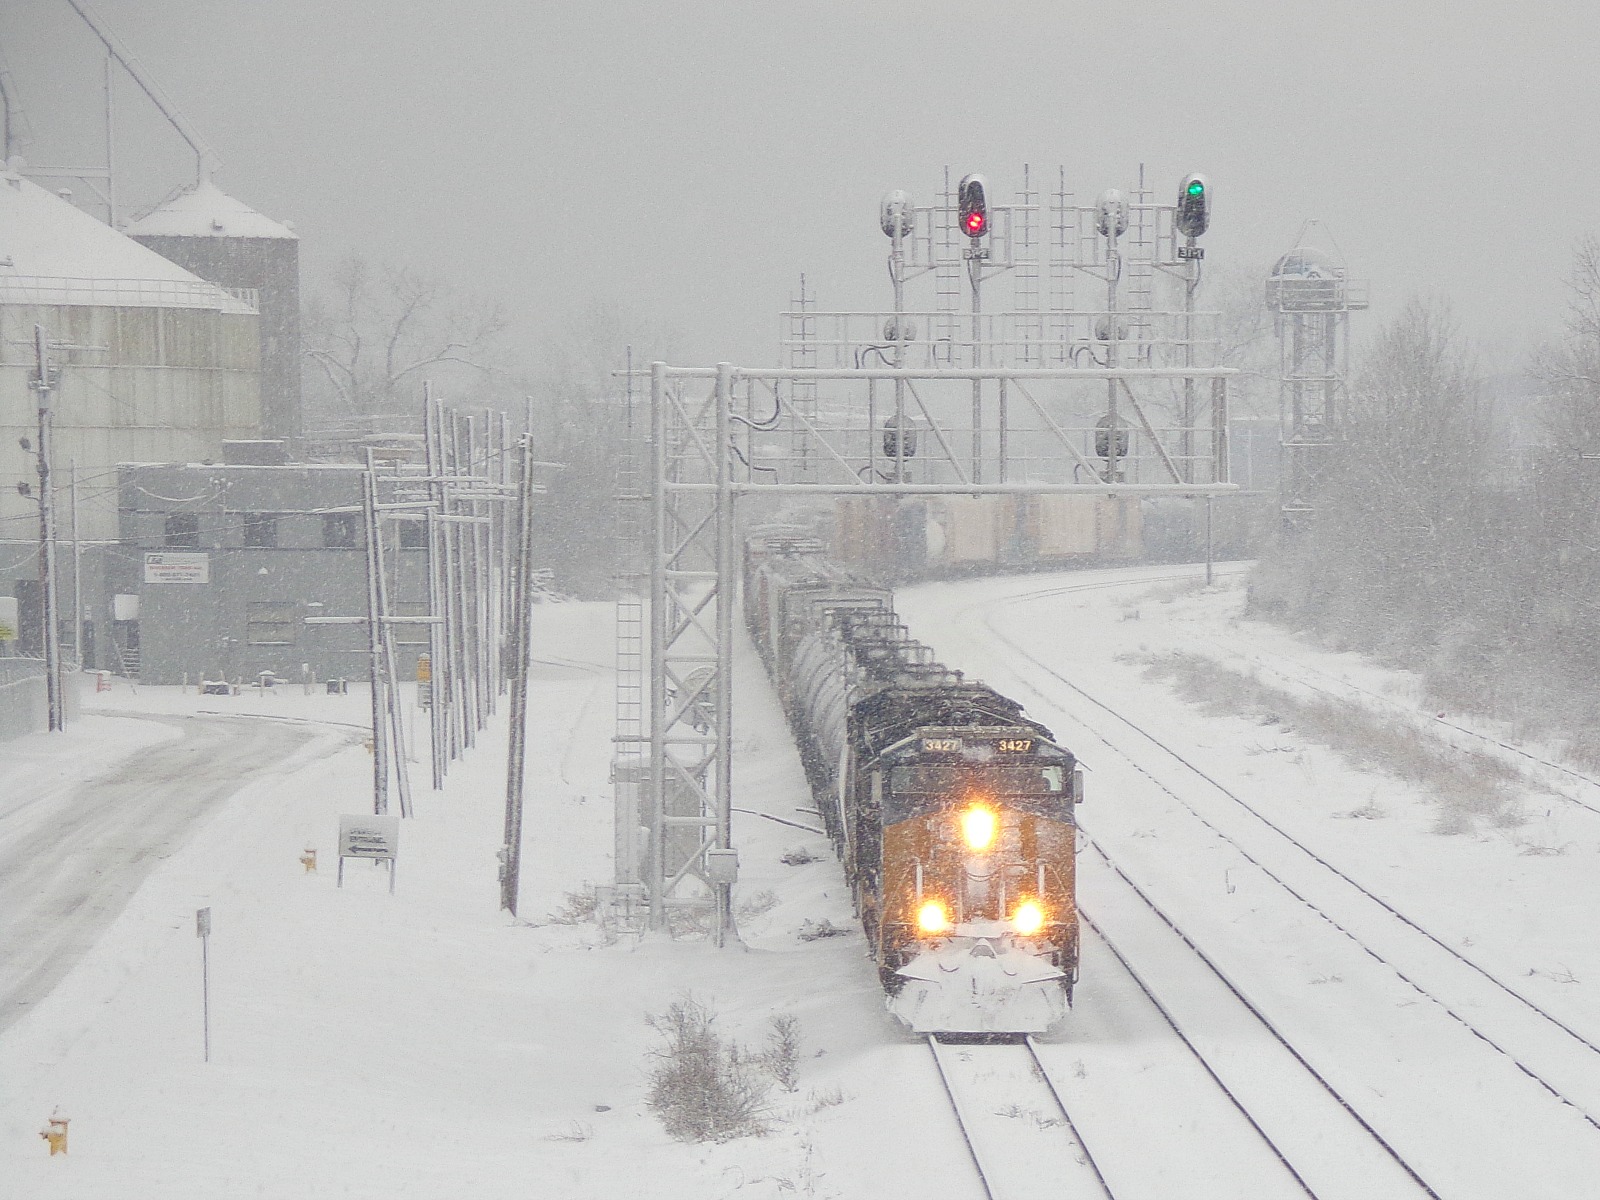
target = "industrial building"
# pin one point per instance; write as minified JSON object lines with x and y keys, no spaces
{"x":175,"y":342}
{"x":150,"y":362}
{"x":220,"y":565}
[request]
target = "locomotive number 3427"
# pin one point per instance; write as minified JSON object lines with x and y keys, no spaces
{"x":1015,"y":745}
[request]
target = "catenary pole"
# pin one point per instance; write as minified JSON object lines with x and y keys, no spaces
{"x":380,"y":733}
{"x":77,"y":573}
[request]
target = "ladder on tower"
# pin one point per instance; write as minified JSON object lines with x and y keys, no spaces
{"x":630,"y":759}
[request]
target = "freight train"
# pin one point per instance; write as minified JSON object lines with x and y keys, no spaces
{"x":952,"y":812}
{"x":904,"y":538}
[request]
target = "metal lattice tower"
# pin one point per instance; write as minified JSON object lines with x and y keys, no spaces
{"x":1311,"y":299}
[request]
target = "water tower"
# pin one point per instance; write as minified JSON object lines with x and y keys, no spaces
{"x":1311,"y":300}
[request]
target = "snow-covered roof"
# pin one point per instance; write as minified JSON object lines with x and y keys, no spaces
{"x":1307,"y":262}
{"x":52,"y":252}
{"x":205,"y":210}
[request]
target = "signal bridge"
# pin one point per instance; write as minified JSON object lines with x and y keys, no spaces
{"x":1122,"y":396}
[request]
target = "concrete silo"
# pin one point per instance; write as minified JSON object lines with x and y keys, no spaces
{"x":220,"y":239}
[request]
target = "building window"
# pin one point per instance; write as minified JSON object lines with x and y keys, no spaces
{"x":261,"y":530}
{"x":271,"y":622}
{"x":407,"y":634}
{"x":183,"y":531}
{"x":413,"y":535}
{"x":342,"y":531}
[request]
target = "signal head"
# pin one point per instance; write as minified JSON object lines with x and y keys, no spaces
{"x":1194,"y":205}
{"x":1111,"y":214}
{"x":896,"y":214}
{"x":973,"y":198}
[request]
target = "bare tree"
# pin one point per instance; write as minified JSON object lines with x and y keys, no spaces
{"x":1238,"y":296}
{"x":583,"y":419}
{"x":1570,"y":369}
{"x":381,"y":332}
{"x":1399,"y":510}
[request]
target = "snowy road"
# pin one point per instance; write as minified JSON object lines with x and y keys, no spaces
{"x":70,"y":857}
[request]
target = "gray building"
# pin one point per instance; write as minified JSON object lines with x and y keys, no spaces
{"x":220,"y":565}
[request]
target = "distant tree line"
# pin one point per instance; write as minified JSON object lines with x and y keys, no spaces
{"x":1437,"y":543}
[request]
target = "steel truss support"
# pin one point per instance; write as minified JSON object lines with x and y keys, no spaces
{"x":1311,"y":299}
{"x":723,"y":435}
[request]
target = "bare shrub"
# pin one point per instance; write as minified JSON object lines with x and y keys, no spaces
{"x":782,"y":1054}
{"x":813,"y":931}
{"x":758,"y":904}
{"x":703,"y":1088}
{"x":576,"y":908}
{"x":828,"y":1098}
{"x":1467,"y":785}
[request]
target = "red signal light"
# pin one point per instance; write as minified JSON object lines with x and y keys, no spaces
{"x":972,"y":197}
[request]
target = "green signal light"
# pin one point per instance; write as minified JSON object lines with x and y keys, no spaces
{"x":1197,"y":188}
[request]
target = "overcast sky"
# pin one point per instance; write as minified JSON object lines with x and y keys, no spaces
{"x":689,"y":161}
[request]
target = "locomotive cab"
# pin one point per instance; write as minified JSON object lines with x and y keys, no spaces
{"x":978,"y":930}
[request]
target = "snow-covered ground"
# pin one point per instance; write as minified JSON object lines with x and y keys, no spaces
{"x":423,"y":1044}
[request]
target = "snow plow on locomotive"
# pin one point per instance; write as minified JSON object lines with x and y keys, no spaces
{"x":952,"y":812}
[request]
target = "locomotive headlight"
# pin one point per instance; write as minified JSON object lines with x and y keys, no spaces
{"x":978,"y":825}
{"x":933,"y":917}
{"x":1028,"y":919}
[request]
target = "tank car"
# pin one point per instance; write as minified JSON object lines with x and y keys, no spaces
{"x":953,"y":812}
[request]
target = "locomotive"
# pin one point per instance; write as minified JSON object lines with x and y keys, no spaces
{"x":953,"y":813}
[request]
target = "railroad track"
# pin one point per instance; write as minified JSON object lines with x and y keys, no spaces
{"x":1557,"y":1057}
{"x":1562,"y":1059}
{"x":1014,"y":1122}
{"x":1278,"y":1078}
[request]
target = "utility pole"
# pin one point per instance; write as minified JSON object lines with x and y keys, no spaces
{"x":77,"y":572}
{"x":375,"y":663}
{"x":521,"y":648}
{"x":44,"y":383}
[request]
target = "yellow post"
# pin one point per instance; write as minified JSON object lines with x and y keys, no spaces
{"x":56,"y":1134}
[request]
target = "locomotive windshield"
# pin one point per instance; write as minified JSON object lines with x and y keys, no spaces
{"x":940,"y":779}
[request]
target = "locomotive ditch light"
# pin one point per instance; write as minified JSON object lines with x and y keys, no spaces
{"x":1028,"y":919}
{"x":978,"y":826}
{"x":933,"y":917}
